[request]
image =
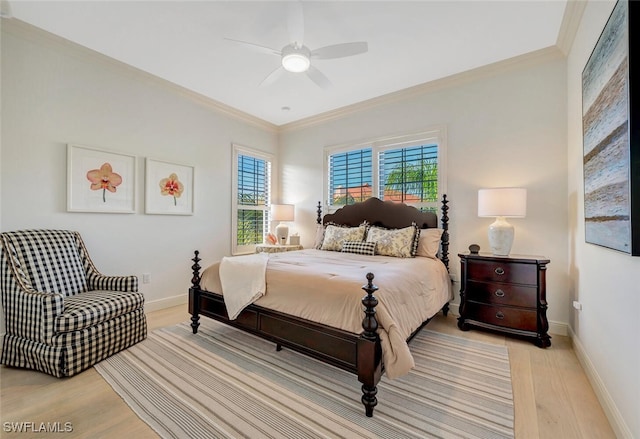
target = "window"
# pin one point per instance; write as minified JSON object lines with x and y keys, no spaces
{"x":406,"y":169}
{"x":251,"y":198}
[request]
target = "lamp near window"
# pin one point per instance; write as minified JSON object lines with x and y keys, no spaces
{"x":282,"y":212}
{"x":506,"y":202}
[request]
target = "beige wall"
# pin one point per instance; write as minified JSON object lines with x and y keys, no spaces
{"x":54,"y":93}
{"x":505,"y":127}
{"x":606,"y":282}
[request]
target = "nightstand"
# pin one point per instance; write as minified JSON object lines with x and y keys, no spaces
{"x":268,"y":248}
{"x":506,"y":294}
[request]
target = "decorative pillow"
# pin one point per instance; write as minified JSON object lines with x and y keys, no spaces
{"x":429,"y":242}
{"x":334,"y":236}
{"x":359,"y":247}
{"x":400,"y":243}
{"x":319,"y":236}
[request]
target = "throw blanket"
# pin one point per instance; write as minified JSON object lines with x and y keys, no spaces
{"x":243,"y":281}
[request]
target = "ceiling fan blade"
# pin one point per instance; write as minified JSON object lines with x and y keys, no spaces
{"x":295,"y":23}
{"x":257,"y":47}
{"x":272,"y":77}
{"x":340,"y":50}
{"x":318,"y":77}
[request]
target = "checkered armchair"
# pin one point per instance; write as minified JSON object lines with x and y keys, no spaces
{"x":62,"y":316}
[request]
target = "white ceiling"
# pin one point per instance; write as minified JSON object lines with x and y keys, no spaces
{"x":410,"y":43}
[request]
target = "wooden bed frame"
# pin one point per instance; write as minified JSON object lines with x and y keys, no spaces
{"x":359,"y":354}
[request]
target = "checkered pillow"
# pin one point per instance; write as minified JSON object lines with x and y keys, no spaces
{"x":359,"y":247}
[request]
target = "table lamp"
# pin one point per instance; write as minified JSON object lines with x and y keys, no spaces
{"x":508,"y":202}
{"x":282,"y":212}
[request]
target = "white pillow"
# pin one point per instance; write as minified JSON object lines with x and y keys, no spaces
{"x":334,"y":236}
{"x":429,"y":242}
{"x":317,"y":244}
{"x":394,"y":242}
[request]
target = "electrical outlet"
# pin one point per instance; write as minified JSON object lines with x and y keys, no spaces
{"x":577,"y":305}
{"x":146,"y":278}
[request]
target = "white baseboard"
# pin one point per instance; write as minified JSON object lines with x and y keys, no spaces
{"x":557,"y":328}
{"x":167,"y":302}
{"x":616,"y":420}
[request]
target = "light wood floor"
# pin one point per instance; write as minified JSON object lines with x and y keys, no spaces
{"x":553,"y":398}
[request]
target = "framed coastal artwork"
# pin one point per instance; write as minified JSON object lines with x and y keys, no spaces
{"x":168,"y":188}
{"x":611,"y":160}
{"x":100,"y":180}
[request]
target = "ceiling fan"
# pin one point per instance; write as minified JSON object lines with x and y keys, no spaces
{"x":296,"y":57}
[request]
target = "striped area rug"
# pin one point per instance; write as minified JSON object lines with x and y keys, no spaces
{"x":223,"y":383}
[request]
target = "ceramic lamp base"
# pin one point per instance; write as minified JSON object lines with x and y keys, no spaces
{"x":282,"y":232}
{"x":501,"y":237}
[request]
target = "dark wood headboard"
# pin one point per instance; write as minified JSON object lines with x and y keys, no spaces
{"x":382,"y":213}
{"x":392,"y":216}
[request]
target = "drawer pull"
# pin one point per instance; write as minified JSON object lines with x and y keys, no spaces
{"x":499,"y":315}
{"x":499,"y":271}
{"x":499,"y":293}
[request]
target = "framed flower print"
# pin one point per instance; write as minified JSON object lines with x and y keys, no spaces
{"x":168,"y":188}
{"x":100,"y":181}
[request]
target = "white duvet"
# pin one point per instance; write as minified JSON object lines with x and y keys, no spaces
{"x":326,"y":287}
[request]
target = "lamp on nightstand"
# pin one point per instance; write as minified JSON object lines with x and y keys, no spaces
{"x":506,"y":202}
{"x":282,"y":212}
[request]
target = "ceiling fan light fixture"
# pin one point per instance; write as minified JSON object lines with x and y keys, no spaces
{"x":296,"y":62}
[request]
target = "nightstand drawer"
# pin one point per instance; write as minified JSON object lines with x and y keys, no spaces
{"x":502,"y":294}
{"x":517,"y":318}
{"x":498,"y":271}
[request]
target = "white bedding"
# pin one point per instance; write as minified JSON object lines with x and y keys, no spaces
{"x":325,"y":287}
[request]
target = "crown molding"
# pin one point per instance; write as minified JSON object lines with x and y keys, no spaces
{"x":515,"y":63}
{"x":38,"y":36}
{"x":570,"y":23}
{"x":572,"y":16}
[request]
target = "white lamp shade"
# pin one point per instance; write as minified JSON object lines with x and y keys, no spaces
{"x":506,"y":202}
{"x":282,"y":212}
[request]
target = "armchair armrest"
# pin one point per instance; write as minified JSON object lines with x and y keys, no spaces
{"x":125,"y":284}
{"x":31,"y":314}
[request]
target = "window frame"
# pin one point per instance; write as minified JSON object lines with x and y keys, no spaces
{"x":437,"y":135}
{"x":239,"y":150}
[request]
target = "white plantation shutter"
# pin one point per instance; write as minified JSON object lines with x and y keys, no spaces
{"x":408,"y":169}
{"x":252,"y":199}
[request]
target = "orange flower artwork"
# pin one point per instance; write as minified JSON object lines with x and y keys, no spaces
{"x":172,"y":186}
{"x":105,"y":179}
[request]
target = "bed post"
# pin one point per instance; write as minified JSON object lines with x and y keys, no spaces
{"x":319,"y":211}
{"x":445,"y":233}
{"x":369,"y":350}
{"x":194,"y":293}
{"x":445,"y":242}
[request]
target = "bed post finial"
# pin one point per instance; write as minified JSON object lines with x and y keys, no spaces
{"x":195,"y":280}
{"x":445,"y":232}
{"x":319,"y":217}
{"x":370,"y":323}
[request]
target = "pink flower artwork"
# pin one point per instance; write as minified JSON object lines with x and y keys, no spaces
{"x":172,"y":186}
{"x":105,"y":179}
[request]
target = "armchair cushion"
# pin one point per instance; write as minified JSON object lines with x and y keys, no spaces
{"x":93,"y":307}
{"x":48,"y":260}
